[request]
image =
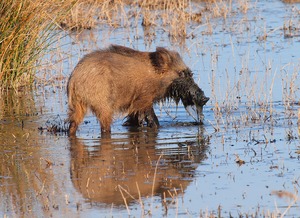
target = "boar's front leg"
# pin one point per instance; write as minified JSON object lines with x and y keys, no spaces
{"x":138,"y":119}
{"x":132,"y":120}
{"x":151,"y":118}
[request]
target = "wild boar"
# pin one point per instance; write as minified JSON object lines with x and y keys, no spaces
{"x":122,"y":80}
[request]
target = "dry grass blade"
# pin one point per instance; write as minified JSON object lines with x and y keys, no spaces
{"x":140,"y":199}
{"x":121,"y":189}
{"x":154,"y":178}
{"x":288,"y":195}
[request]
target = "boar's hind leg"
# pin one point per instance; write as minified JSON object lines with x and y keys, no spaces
{"x":105,"y":118}
{"x":76,"y":113}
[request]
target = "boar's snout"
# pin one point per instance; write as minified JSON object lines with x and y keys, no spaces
{"x":201,"y":99}
{"x":205,"y":100}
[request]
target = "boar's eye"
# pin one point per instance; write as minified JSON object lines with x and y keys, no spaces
{"x":181,"y":74}
{"x":185,"y":73}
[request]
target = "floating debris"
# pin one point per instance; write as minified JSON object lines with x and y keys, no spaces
{"x":239,"y":161}
{"x":55,"y":125}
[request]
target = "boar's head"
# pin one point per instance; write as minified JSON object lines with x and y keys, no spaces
{"x":186,"y":90}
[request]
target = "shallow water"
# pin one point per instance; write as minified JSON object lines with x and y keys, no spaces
{"x":244,"y":157}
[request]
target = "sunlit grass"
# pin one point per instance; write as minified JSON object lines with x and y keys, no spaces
{"x":26,"y":32}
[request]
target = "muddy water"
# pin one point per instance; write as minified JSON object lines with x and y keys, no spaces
{"x":244,"y":160}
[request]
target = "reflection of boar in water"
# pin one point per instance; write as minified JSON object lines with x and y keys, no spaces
{"x":120,"y":79}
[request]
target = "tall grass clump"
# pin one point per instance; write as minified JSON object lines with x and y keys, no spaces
{"x":26,"y":29}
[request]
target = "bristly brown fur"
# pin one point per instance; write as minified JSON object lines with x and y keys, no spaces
{"x":162,"y":59}
{"x":120,"y":79}
{"x":122,"y":50}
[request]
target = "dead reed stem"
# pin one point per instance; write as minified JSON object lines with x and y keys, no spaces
{"x":121,"y":189}
{"x":140,"y":199}
{"x":154,"y":179}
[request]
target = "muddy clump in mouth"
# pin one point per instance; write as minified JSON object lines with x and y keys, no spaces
{"x":192,"y":97}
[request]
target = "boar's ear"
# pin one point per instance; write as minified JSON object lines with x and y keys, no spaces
{"x":161,"y":59}
{"x":164,"y":54}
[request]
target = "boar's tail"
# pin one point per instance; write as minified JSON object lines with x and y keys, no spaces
{"x":70,"y":90}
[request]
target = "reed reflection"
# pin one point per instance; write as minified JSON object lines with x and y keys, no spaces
{"x":23,"y":173}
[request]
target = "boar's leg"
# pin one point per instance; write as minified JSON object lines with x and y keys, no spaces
{"x":105,"y":118}
{"x":138,"y":118}
{"x":151,"y":118}
{"x":72,"y":128}
{"x":77,"y":110}
{"x":105,"y":126}
{"x":133,"y":120}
